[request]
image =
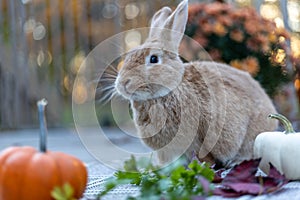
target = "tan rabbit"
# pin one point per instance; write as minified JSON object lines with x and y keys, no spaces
{"x":207,"y":108}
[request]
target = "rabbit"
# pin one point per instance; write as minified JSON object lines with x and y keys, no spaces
{"x":202,"y":108}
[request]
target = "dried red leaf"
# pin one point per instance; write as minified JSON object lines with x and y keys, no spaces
{"x":244,"y":172}
{"x":241,"y":180}
{"x":245,"y":188}
{"x":273,"y":181}
{"x":274,"y":173}
{"x":226,"y":192}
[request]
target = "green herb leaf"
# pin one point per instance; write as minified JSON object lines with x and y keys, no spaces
{"x":131,"y":165}
{"x":172,"y":182}
{"x":131,"y":177}
{"x":64,"y":192}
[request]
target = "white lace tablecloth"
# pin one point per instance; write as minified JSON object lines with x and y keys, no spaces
{"x":98,"y":174}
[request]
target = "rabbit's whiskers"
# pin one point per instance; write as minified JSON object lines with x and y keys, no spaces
{"x":106,"y":80}
{"x":107,"y":97}
{"x":105,"y":90}
{"x":107,"y":75}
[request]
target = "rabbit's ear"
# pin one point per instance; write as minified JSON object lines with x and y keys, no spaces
{"x":167,"y":28}
{"x":158,"y":22}
{"x":177,"y":22}
{"x":160,"y":17}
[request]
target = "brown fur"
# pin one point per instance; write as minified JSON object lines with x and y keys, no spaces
{"x":247,"y":108}
{"x":204,"y":107}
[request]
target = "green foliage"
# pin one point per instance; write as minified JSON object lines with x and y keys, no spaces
{"x":172,"y":182}
{"x":66,"y":192}
{"x":242,"y":38}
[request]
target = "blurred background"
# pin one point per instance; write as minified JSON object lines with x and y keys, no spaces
{"x":44,"y":42}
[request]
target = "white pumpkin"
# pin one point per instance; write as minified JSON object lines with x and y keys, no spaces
{"x":282,"y":149}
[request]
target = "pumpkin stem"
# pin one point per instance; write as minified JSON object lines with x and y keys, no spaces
{"x":43,"y":124}
{"x":286,"y":123}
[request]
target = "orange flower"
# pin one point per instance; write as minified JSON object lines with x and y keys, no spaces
{"x":243,"y":14}
{"x":263,"y":41}
{"x":236,"y":64}
{"x":251,"y":65}
{"x":237,"y":35}
{"x":222,"y":26}
{"x":219,"y":29}
{"x":225,"y":20}
{"x":214,"y":8}
{"x":195,"y":8}
{"x":251,"y":26}
{"x":207,"y":28}
{"x":272,"y":37}
{"x":261,"y":38}
{"x":237,"y":15}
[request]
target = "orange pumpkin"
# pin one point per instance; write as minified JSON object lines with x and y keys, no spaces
{"x":26,"y":173}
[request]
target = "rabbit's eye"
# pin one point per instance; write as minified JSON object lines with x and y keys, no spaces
{"x":154,"y":59}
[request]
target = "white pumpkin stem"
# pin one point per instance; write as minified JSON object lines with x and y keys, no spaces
{"x":43,"y":124}
{"x":286,"y":123}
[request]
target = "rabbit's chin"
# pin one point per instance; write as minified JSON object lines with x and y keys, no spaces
{"x":140,"y":95}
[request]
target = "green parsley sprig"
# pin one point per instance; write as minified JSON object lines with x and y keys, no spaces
{"x":176,"y":181}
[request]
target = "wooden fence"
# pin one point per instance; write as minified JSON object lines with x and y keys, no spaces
{"x":43,"y":42}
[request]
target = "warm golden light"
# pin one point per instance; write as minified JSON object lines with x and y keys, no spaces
{"x":244,"y":2}
{"x":297,"y":84}
{"x":279,"y":22}
{"x":40,"y":59}
{"x":293,"y":8}
{"x":120,"y":65}
{"x":133,"y":39}
{"x":270,"y":11}
{"x":279,"y":56}
{"x":76,"y":62}
{"x":295,"y":45}
{"x":80,"y":93}
{"x":67,"y":83}
{"x":131,"y":11}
